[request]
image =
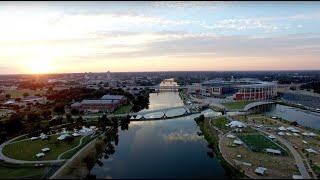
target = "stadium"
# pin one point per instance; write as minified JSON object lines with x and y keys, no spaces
{"x":240,"y":89}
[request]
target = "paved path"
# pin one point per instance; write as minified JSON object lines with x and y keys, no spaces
{"x":73,"y":148}
{"x":74,"y":156}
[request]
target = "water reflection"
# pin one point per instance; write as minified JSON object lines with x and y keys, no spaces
{"x":169,"y":148}
{"x":293,"y":114}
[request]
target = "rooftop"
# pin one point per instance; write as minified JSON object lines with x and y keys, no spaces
{"x":99,"y":101}
{"x":114,"y":97}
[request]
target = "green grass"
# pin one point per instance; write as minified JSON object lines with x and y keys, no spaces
{"x":220,"y":123}
{"x":23,"y":171}
{"x":123,"y":109}
{"x":260,"y":142}
{"x":237,"y":105}
{"x":69,"y":154}
{"x":26,"y":150}
{"x":19,"y":93}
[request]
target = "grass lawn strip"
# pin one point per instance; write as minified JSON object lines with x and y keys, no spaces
{"x":26,"y":150}
{"x":237,"y":105}
{"x":19,"y":93}
{"x":123,"y":109}
{"x":25,"y":171}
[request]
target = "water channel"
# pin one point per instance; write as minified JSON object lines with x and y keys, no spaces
{"x":161,"y":148}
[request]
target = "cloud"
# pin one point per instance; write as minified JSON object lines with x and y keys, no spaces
{"x":190,"y":4}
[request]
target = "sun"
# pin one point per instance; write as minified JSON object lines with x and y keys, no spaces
{"x":39,"y":66}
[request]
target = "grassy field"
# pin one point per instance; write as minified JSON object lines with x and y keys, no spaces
{"x":237,"y":105}
{"x":85,"y":141}
{"x":123,"y":109}
{"x":23,"y":171}
{"x":260,"y":142}
{"x":19,"y":93}
{"x":26,"y":150}
{"x":220,"y":123}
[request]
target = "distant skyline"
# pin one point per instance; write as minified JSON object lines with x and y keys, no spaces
{"x":142,"y":36}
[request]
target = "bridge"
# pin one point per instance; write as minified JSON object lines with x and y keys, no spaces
{"x":163,"y":110}
{"x":258,"y":106}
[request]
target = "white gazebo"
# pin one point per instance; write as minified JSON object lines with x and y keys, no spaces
{"x":34,"y":138}
{"x":309,"y":134}
{"x":43,"y":136}
{"x":260,"y":170}
{"x":85,"y":131}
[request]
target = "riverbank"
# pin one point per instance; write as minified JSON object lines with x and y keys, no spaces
{"x":211,"y":135}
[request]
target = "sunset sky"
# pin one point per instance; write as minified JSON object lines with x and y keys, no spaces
{"x":58,"y":37}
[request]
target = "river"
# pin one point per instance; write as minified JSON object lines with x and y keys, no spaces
{"x":161,"y":148}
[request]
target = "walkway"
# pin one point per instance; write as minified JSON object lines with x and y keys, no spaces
{"x":73,"y":148}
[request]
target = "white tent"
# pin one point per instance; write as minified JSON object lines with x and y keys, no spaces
{"x":282,"y":128}
{"x":295,"y":134}
{"x":75,"y":134}
{"x":309,"y":134}
{"x":259,"y":126}
{"x":43,"y":136}
{"x":310,"y":150}
{"x":281,"y":133}
{"x":260,"y":170}
{"x":236,"y":124}
{"x":273,"y":151}
{"x":305,"y":142}
{"x":85,"y":131}
{"x":288,"y":134}
{"x":272,"y":137}
{"x":45,"y":149}
{"x":237,"y":142}
{"x":231,"y":136}
{"x":62,"y":137}
{"x":297,"y":177}
{"x":290,"y":128}
{"x":40,"y":155}
{"x":295,"y":130}
{"x":33,"y":138}
{"x":274,"y":117}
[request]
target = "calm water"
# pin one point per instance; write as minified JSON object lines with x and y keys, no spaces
{"x":161,"y":148}
{"x":304,"y":118}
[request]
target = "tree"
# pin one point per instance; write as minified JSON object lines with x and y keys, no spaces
{"x":46,"y":113}
{"x":33,"y":116}
{"x":74,"y":111}
{"x":59,"y":108}
{"x":68,"y":116}
{"x":26,"y":95}
{"x":18,"y":99}
{"x":8,"y":96}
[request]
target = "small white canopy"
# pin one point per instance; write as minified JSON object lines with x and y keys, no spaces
{"x":288,"y":134}
{"x":295,"y":130}
{"x":309,"y":134}
{"x":290,"y":128}
{"x":45,"y":149}
{"x":260,"y":170}
{"x":310,"y":150}
{"x":43,"y":136}
{"x":305,"y":142}
{"x":237,"y":142}
{"x":236,"y":124}
{"x":40,"y":155}
{"x":231,"y":136}
{"x":62,"y":137}
{"x":297,"y":177}
{"x":281,"y":133}
{"x":273,"y":151}
{"x":295,"y":134}
{"x":274,"y":117}
{"x":259,"y":126}
{"x":272,"y":137}
{"x":34,"y":138}
{"x":75,"y":134}
{"x":282,"y":128}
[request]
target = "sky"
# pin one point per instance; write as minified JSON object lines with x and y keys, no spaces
{"x":88,"y":36}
